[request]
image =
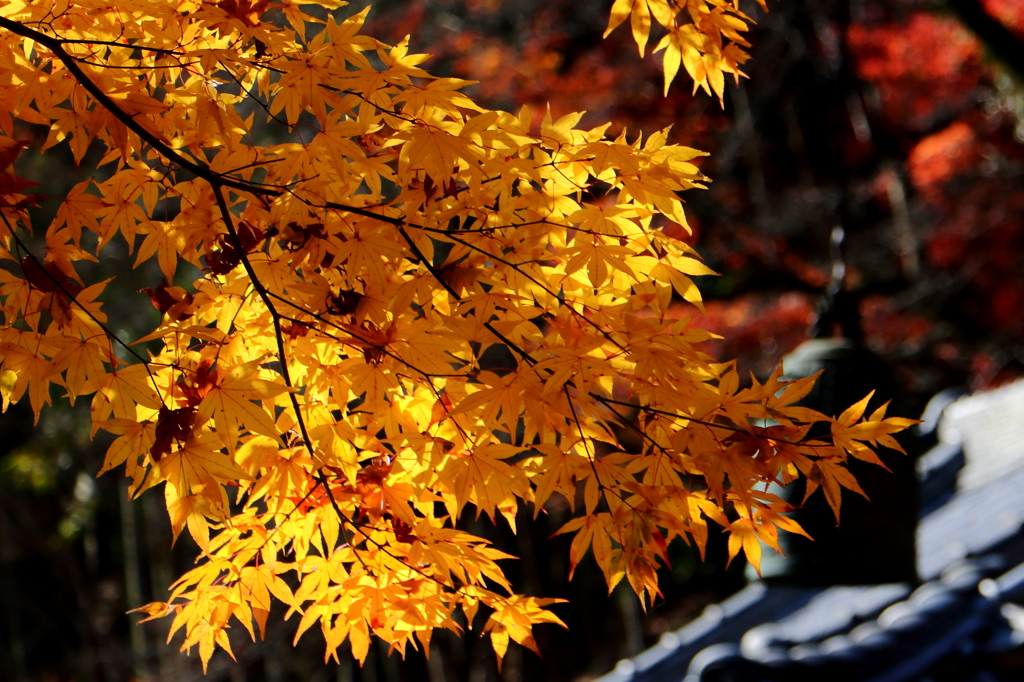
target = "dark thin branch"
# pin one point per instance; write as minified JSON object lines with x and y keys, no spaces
{"x":130,"y":46}
{"x":454,"y":294}
{"x":275,"y":317}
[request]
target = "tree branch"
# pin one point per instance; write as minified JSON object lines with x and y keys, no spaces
{"x":999,"y":39}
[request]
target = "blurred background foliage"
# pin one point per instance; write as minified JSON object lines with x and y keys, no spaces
{"x":900,"y":122}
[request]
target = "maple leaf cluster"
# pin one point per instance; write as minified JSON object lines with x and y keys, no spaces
{"x":704,"y":37}
{"x":412,"y":305}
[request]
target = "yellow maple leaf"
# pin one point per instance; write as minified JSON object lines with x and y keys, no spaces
{"x":230,"y":403}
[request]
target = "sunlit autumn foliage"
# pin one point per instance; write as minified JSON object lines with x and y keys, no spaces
{"x":408,"y":308}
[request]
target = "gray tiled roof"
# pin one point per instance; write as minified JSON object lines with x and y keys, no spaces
{"x":990,"y":427}
{"x":968,"y":538}
{"x":725,"y":622}
{"x":972,"y":523}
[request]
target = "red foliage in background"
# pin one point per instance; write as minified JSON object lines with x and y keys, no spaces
{"x":757,"y":328}
{"x":939,"y":158}
{"x":917,"y":65}
{"x":1009,"y":12}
